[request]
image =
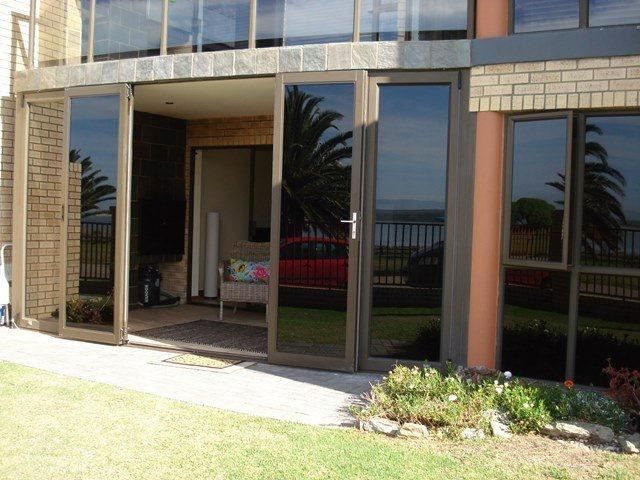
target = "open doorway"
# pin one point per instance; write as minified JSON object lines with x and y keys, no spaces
{"x":201,"y":214}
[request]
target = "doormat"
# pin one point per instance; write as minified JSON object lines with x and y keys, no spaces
{"x":247,"y":338}
{"x":193,"y":360}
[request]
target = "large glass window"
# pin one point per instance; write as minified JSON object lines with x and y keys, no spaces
{"x":613,"y":12}
{"x":298,"y":22}
{"x":390,"y":20}
{"x":61,"y":32}
{"x":602,"y":272}
{"x":127,"y":29}
{"x":611,"y":204}
{"x":538,"y":15}
{"x":208,"y":25}
{"x":538,"y":188}
{"x":409,"y":231}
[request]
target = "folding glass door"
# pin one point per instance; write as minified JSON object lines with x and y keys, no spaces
{"x":72,"y":214}
{"x":315,"y":220}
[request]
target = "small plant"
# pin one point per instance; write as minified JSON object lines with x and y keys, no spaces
{"x":91,"y":311}
{"x":624,"y":387}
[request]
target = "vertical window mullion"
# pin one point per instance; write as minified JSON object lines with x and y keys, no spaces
{"x":164,"y":26}
{"x":253,"y":17}
{"x":92,"y":29}
{"x":584,"y":13}
{"x":357,"y":5}
{"x":31,"y":59}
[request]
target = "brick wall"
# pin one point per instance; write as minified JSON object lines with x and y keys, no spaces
{"x":58,"y":35}
{"x":213,"y":132}
{"x":556,"y":85}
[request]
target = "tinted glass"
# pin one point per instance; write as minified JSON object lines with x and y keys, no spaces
{"x":611,"y":208}
{"x":535,"y":323}
{"x":608,"y":326}
{"x":409,"y":230}
{"x":537,"y":196}
{"x":316,"y":196}
{"x":208,"y":25}
{"x":297,"y":22}
{"x":62,"y":31}
{"x":93,"y":170}
{"x":419,"y":20}
{"x":127,"y":28}
{"x":613,"y":12}
{"x":44,"y":191}
{"x":537,"y":15}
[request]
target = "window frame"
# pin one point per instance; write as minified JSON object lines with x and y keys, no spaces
{"x":583,"y":20}
{"x":574,"y":268}
{"x":508,"y":190}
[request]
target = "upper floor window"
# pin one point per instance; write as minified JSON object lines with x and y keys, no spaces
{"x":392,"y":20}
{"x":542,"y":15}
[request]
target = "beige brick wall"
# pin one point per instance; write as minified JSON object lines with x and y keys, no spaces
{"x":214,"y":132}
{"x":556,"y":85}
{"x":44,"y":172}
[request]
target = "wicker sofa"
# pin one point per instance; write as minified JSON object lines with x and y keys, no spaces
{"x":240,"y":292}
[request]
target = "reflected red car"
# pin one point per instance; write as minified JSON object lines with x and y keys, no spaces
{"x":314,"y":262}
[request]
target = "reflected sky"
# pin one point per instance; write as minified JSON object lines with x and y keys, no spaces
{"x":613,"y":12}
{"x":94,"y":131}
{"x":413,"y":131}
{"x":621,"y":139}
{"x":539,"y":153}
{"x":537,"y":15}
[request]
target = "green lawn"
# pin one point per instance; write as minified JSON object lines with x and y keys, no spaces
{"x":54,"y":427}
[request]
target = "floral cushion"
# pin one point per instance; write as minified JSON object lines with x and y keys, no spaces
{"x":246,"y":271}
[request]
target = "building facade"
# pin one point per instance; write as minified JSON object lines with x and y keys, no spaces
{"x":438,"y":180}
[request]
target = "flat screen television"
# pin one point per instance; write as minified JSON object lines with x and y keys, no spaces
{"x":162,"y":227}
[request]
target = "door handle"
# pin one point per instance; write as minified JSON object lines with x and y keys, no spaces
{"x":354,"y":225}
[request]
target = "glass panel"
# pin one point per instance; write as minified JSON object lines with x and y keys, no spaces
{"x":611,"y":207}
{"x":44,"y":198}
{"x":297,"y":22}
{"x":127,"y":29}
{"x":93,"y":170}
{"x":537,"y":196}
{"x":538,"y":15}
{"x":62,"y":32}
{"x":613,"y":12}
{"x":382,"y":20}
{"x":535,"y":323}
{"x":316,"y":195}
{"x":608,"y":326}
{"x":208,"y":25}
{"x":409,"y":231}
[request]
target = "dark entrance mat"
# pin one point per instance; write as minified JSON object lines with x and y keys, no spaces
{"x":213,"y":334}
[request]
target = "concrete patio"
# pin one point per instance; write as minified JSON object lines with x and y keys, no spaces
{"x":294,"y":394}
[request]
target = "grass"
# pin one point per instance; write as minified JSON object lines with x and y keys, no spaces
{"x":58,"y":427}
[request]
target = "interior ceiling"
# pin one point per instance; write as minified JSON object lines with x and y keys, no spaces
{"x":207,"y":99}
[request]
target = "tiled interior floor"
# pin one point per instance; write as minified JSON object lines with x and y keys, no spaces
{"x":141,"y":319}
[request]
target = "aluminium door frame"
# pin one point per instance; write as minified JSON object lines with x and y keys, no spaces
{"x":452,"y":213}
{"x":358,"y":79}
{"x":123,"y":217}
{"x":19,"y":216}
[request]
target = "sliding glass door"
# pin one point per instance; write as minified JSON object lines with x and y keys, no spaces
{"x":315,"y":220}
{"x":406,"y":248}
{"x":95,"y":214}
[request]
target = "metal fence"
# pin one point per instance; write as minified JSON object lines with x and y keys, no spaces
{"x":96,"y":251}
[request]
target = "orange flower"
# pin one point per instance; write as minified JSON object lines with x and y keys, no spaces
{"x":568,"y":383}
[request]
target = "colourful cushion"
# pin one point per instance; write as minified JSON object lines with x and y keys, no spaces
{"x":248,"y":272}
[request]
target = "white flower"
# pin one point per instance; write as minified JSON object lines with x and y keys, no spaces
{"x":453,"y":398}
{"x":526,"y":405}
{"x":499,"y":388}
{"x":508,"y":375}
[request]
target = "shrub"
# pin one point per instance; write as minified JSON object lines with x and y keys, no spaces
{"x":624,"y":386}
{"x":458,"y":399}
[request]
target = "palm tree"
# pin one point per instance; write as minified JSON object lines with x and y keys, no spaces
{"x":603,"y":188}
{"x":316,"y":183}
{"x":94,"y":190}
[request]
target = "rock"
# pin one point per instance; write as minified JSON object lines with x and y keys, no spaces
{"x":413,"y":430}
{"x":472,"y":434}
{"x":588,"y":432}
{"x":364,"y":425}
{"x":384,"y":425}
{"x":499,"y":426}
{"x":630,"y":443}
